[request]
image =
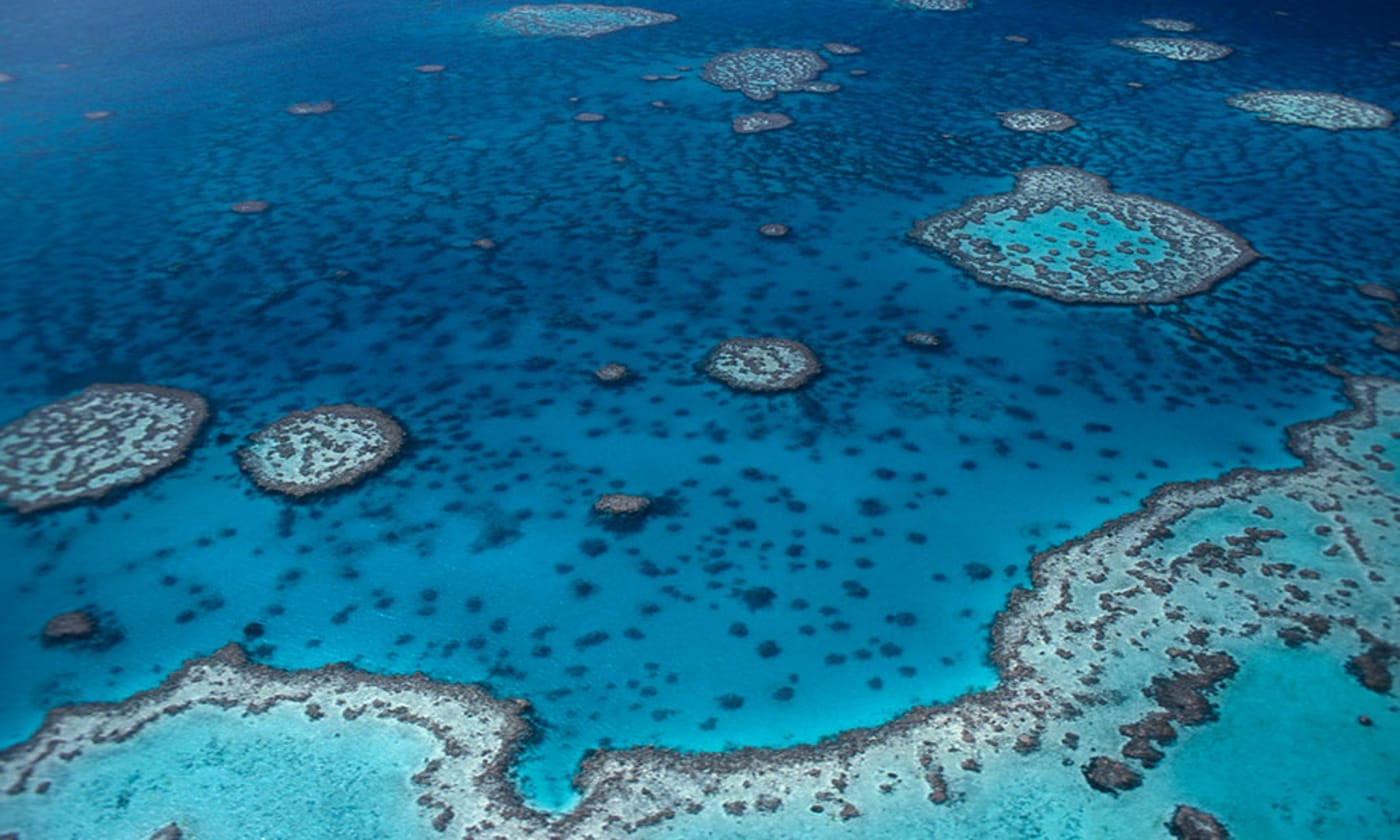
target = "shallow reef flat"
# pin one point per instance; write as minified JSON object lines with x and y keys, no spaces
{"x":1157,"y":634}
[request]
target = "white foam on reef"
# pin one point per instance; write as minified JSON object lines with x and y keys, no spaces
{"x":1158,"y":616}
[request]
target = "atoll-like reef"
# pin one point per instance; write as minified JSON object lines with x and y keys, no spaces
{"x":576,"y":20}
{"x":1331,"y":111}
{"x":312,"y":451}
{"x":761,"y":74}
{"x":1063,"y":233}
{"x":762,"y":364}
{"x":85,"y":446}
{"x":1036,"y":120}
{"x":1123,"y":644}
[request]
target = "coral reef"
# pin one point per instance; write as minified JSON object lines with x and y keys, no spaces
{"x":311,"y":451}
{"x":302,"y":109}
{"x":760,"y":121}
{"x":1036,"y":120}
{"x":1169,"y":24}
{"x":85,"y":446}
{"x":761,"y":74}
{"x":1331,"y":111}
{"x":1064,"y":234}
{"x":1176,"y":49}
{"x":621,"y":504}
{"x":1128,"y":632}
{"x":937,"y":5}
{"x":576,"y":20}
{"x":762,"y":364}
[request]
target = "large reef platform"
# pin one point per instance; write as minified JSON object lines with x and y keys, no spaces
{"x":1129,"y":641}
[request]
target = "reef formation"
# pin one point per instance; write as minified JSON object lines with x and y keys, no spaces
{"x":312,"y":451}
{"x":760,"y":121}
{"x":1169,"y":24}
{"x":576,"y":20}
{"x":762,"y":364}
{"x":1331,"y":111}
{"x":85,"y":446}
{"x":761,"y":73}
{"x":937,"y":5}
{"x":1176,"y":49}
{"x":1036,"y":120}
{"x":1120,"y":647}
{"x":1064,"y":234}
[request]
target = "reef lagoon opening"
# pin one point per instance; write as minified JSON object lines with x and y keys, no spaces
{"x":511,"y":243}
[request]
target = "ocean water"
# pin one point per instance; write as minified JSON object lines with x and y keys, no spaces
{"x":816,"y":561}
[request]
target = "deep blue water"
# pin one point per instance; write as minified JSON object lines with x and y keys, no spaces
{"x":870,"y":507}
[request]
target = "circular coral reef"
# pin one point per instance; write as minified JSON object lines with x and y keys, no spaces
{"x":576,"y":20}
{"x":330,"y":446}
{"x":87,"y":445}
{"x":760,"y":121}
{"x":1064,"y":234}
{"x":762,"y":74}
{"x":1177,"y":49}
{"x":1037,"y":120}
{"x":1331,"y":111}
{"x":762,"y":364}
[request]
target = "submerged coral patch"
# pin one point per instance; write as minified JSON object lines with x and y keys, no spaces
{"x":1331,"y":111}
{"x":576,"y":20}
{"x":762,"y":364}
{"x":303,"y":109}
{"x":1169,"y":24}
{"x":1177,"y":49}
{"x":85,"y":446}
{"x":1063,"y":233}
{"x":1036,"y":120}
{"x":760,"y":121}
{"x":330,"y":446}
{"x":937,"y":5}
{"x":761,"y":73}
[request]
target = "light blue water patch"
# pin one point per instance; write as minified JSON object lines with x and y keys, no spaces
{"x":1058,"y":237}
{"x":1300,"y":768}
{"x":220,"y":774}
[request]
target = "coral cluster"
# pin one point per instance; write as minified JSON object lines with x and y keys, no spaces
{"x":761,"y":73}
{"x":1177,"y":49}
{"x":576,"y":20}
{"x":1064,"y":234}
{"x":311,"y":451}
{"x":1331,"y":111}
{"x":762,"y":364}
{"x":85,"y":446}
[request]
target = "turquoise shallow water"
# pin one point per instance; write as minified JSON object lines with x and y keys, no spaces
{"x":821,"y":561}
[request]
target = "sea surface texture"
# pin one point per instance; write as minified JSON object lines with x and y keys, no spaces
{"x":1054,"y":493}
